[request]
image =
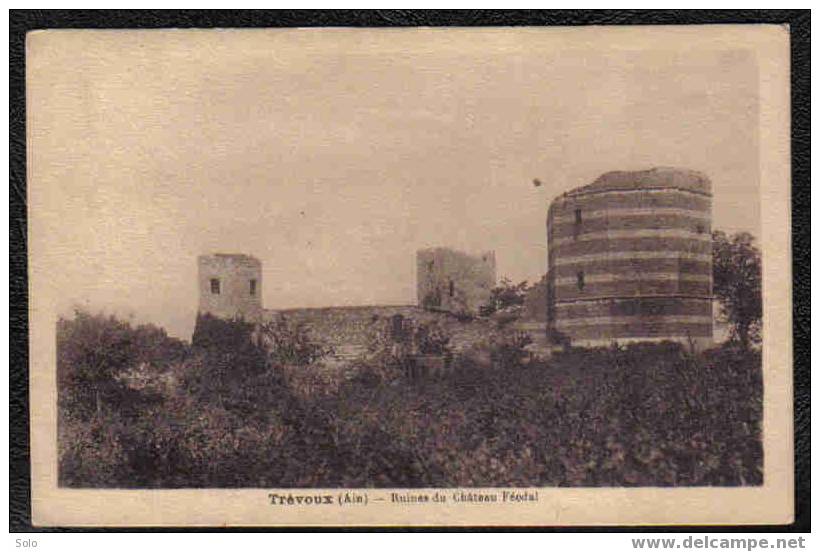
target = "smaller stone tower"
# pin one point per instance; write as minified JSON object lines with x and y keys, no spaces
{"x":230,"y":286}
{"x":452,"y":281}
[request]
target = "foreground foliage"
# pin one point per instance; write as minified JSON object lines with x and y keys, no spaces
{"x":737,"y":270}
{"x":646,"y":415}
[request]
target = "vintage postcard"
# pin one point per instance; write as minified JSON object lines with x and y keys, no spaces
{"x":376,"y":277}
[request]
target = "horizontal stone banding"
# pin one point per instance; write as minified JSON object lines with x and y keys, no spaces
{"x":631,"y":277}
{"x":652,"y":199}
{"x":572,"y":249}
{"x":635,"y":233}
{"x":607,"y":342}
{"x":635,"y":288}
{"x":660,"y":222}
{"x":635,"y":319}
{"x":615,"y":212}
{"x":643,"y":296}
{"x":640,"y":329}
{"x":632,"y":190}
{"x":633,"y":267}
{"x":608,"y":256}
{"x":639,"y":244}
{"x":635,"y":307}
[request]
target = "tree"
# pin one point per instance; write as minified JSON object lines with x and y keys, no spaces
{"x":95,"y":351}
{"x":289,"y":343}
{"x":505,"y":295}
{"x":92,"y":351}
{"x":736,"y":269}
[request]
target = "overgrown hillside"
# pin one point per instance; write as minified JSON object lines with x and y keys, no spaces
{"x":138,"y":409}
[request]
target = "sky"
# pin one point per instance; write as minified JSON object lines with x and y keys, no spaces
{"x":334,"y":156}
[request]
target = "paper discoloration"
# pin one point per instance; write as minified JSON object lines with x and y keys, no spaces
{"x":333,"y":157}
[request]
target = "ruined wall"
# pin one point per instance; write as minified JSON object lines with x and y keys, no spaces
{"x":348,"y":329}
{"x":230,"y":286}
{"x":630,"y":259}
{"x":533,"y":320}
{"x":453,"y":281}
{"x":535,"y":302}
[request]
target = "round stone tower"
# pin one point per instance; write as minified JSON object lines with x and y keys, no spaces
{"x":630,"y":259}
{"x":230,"y":286}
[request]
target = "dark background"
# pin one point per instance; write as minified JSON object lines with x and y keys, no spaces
{"x":22,"y":21}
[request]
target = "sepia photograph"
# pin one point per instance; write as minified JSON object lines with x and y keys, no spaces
{"x":469,"y":271}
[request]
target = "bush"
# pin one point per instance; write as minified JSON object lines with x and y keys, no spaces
{"x":509,"y":350}
{"x":99,"y":408}
{"x":505,"y":296}
{"x":737,"y":276}
{"x":393,"y":347}
{"x":95,"y":354}
{"x":211,"y":332}
{"x":291,"y":344}
{"x":641,"y":415}
{"x":430,"y":339}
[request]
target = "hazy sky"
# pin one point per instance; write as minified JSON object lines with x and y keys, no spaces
{"x":333,"y":156}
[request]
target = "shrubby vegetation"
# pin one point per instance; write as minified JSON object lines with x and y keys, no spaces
{"x":737,"y":270}
{"x":291,"y":344}
{"x":505,"y":296}
{"x":140,"y":409}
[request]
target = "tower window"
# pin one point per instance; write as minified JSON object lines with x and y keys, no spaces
{"x":580,"y":277}
{"x":253,"y":287}
{"x":700,"y":229}
{"x":215,"y":286}
{"x":452,"y":288}
{"x":577,"y":229}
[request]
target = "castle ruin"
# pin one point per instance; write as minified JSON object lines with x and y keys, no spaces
{"x":230,"y":286}
{"x":630,"y":259}
{"x":452,"y":281}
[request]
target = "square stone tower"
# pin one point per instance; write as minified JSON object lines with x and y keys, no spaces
{"x":453,"y":281}
{"x":230,"y":286}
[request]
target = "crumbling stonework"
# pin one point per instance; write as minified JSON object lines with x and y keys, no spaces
{"x":533,"y":318}
{"x":535,"y":302}
{"x":347,"y":330}
{"x":453,"y":281}
{"x":630,"y":259}
{"x":230,"y":286}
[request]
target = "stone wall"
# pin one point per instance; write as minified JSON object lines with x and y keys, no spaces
{"x":348,"y":329}
{"x":535,"y":302}
{"x":453,"y":281}
{"x":230,"y":286}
